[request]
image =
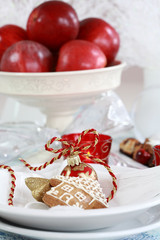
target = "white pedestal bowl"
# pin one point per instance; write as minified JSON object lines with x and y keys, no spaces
{"x":60,"y":94}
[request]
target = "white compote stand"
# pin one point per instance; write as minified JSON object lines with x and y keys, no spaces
{"x":60,"y":94}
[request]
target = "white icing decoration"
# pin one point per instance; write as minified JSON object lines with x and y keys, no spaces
{"x":53,"y":192}
{"x":67,"y":188}
{"x":66,"y":197}
{"x":90,"y":186}
{"x":77,"y":204}
{"x":80,"y":196}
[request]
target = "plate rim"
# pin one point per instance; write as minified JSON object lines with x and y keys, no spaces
{"x":130,"y":208}
{"x":86,"y":234}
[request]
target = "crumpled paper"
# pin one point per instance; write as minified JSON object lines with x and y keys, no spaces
{"x":134,"y":185}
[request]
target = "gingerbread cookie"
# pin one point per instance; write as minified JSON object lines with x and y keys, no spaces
{"x":38,"y":187}
{"x":74,"y":191}
{"x":84,"y":193}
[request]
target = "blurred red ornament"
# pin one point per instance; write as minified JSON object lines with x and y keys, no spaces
{"x":143,"y":156}
{"x":81,"y":170}
{"x":156,"y":151}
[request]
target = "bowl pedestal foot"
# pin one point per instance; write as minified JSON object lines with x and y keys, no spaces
{"x":59,"y":120}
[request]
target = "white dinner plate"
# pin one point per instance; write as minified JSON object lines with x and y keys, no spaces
{"x":147,"y":221}
{"x":64,"y":218}
{"x":67,"y":220}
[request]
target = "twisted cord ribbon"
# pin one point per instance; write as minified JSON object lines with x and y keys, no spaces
{"x":68,"y":149}
{"x":114,"y":179}
{"x":75,"y":149}
{"x":13,"y":185}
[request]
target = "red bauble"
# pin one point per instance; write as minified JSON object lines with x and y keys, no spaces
{"x":81,"y":170}
{"x":27,"y":56}
{"x":52,"y":24}
{"x":101,"y":33}
{"x":78,"y":55}
{"x":10,"y":34}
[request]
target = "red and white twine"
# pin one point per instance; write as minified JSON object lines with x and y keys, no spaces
{"x":13,"y":185}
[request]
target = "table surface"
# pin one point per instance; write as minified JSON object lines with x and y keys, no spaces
{"x":152,"y":235}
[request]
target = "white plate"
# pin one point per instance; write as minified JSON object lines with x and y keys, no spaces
{"x":78,"y":220}
{"x":147,"y":221}
{"x":67,"y":220}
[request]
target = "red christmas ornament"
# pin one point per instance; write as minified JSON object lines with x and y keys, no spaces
{"x":81,"y":170}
